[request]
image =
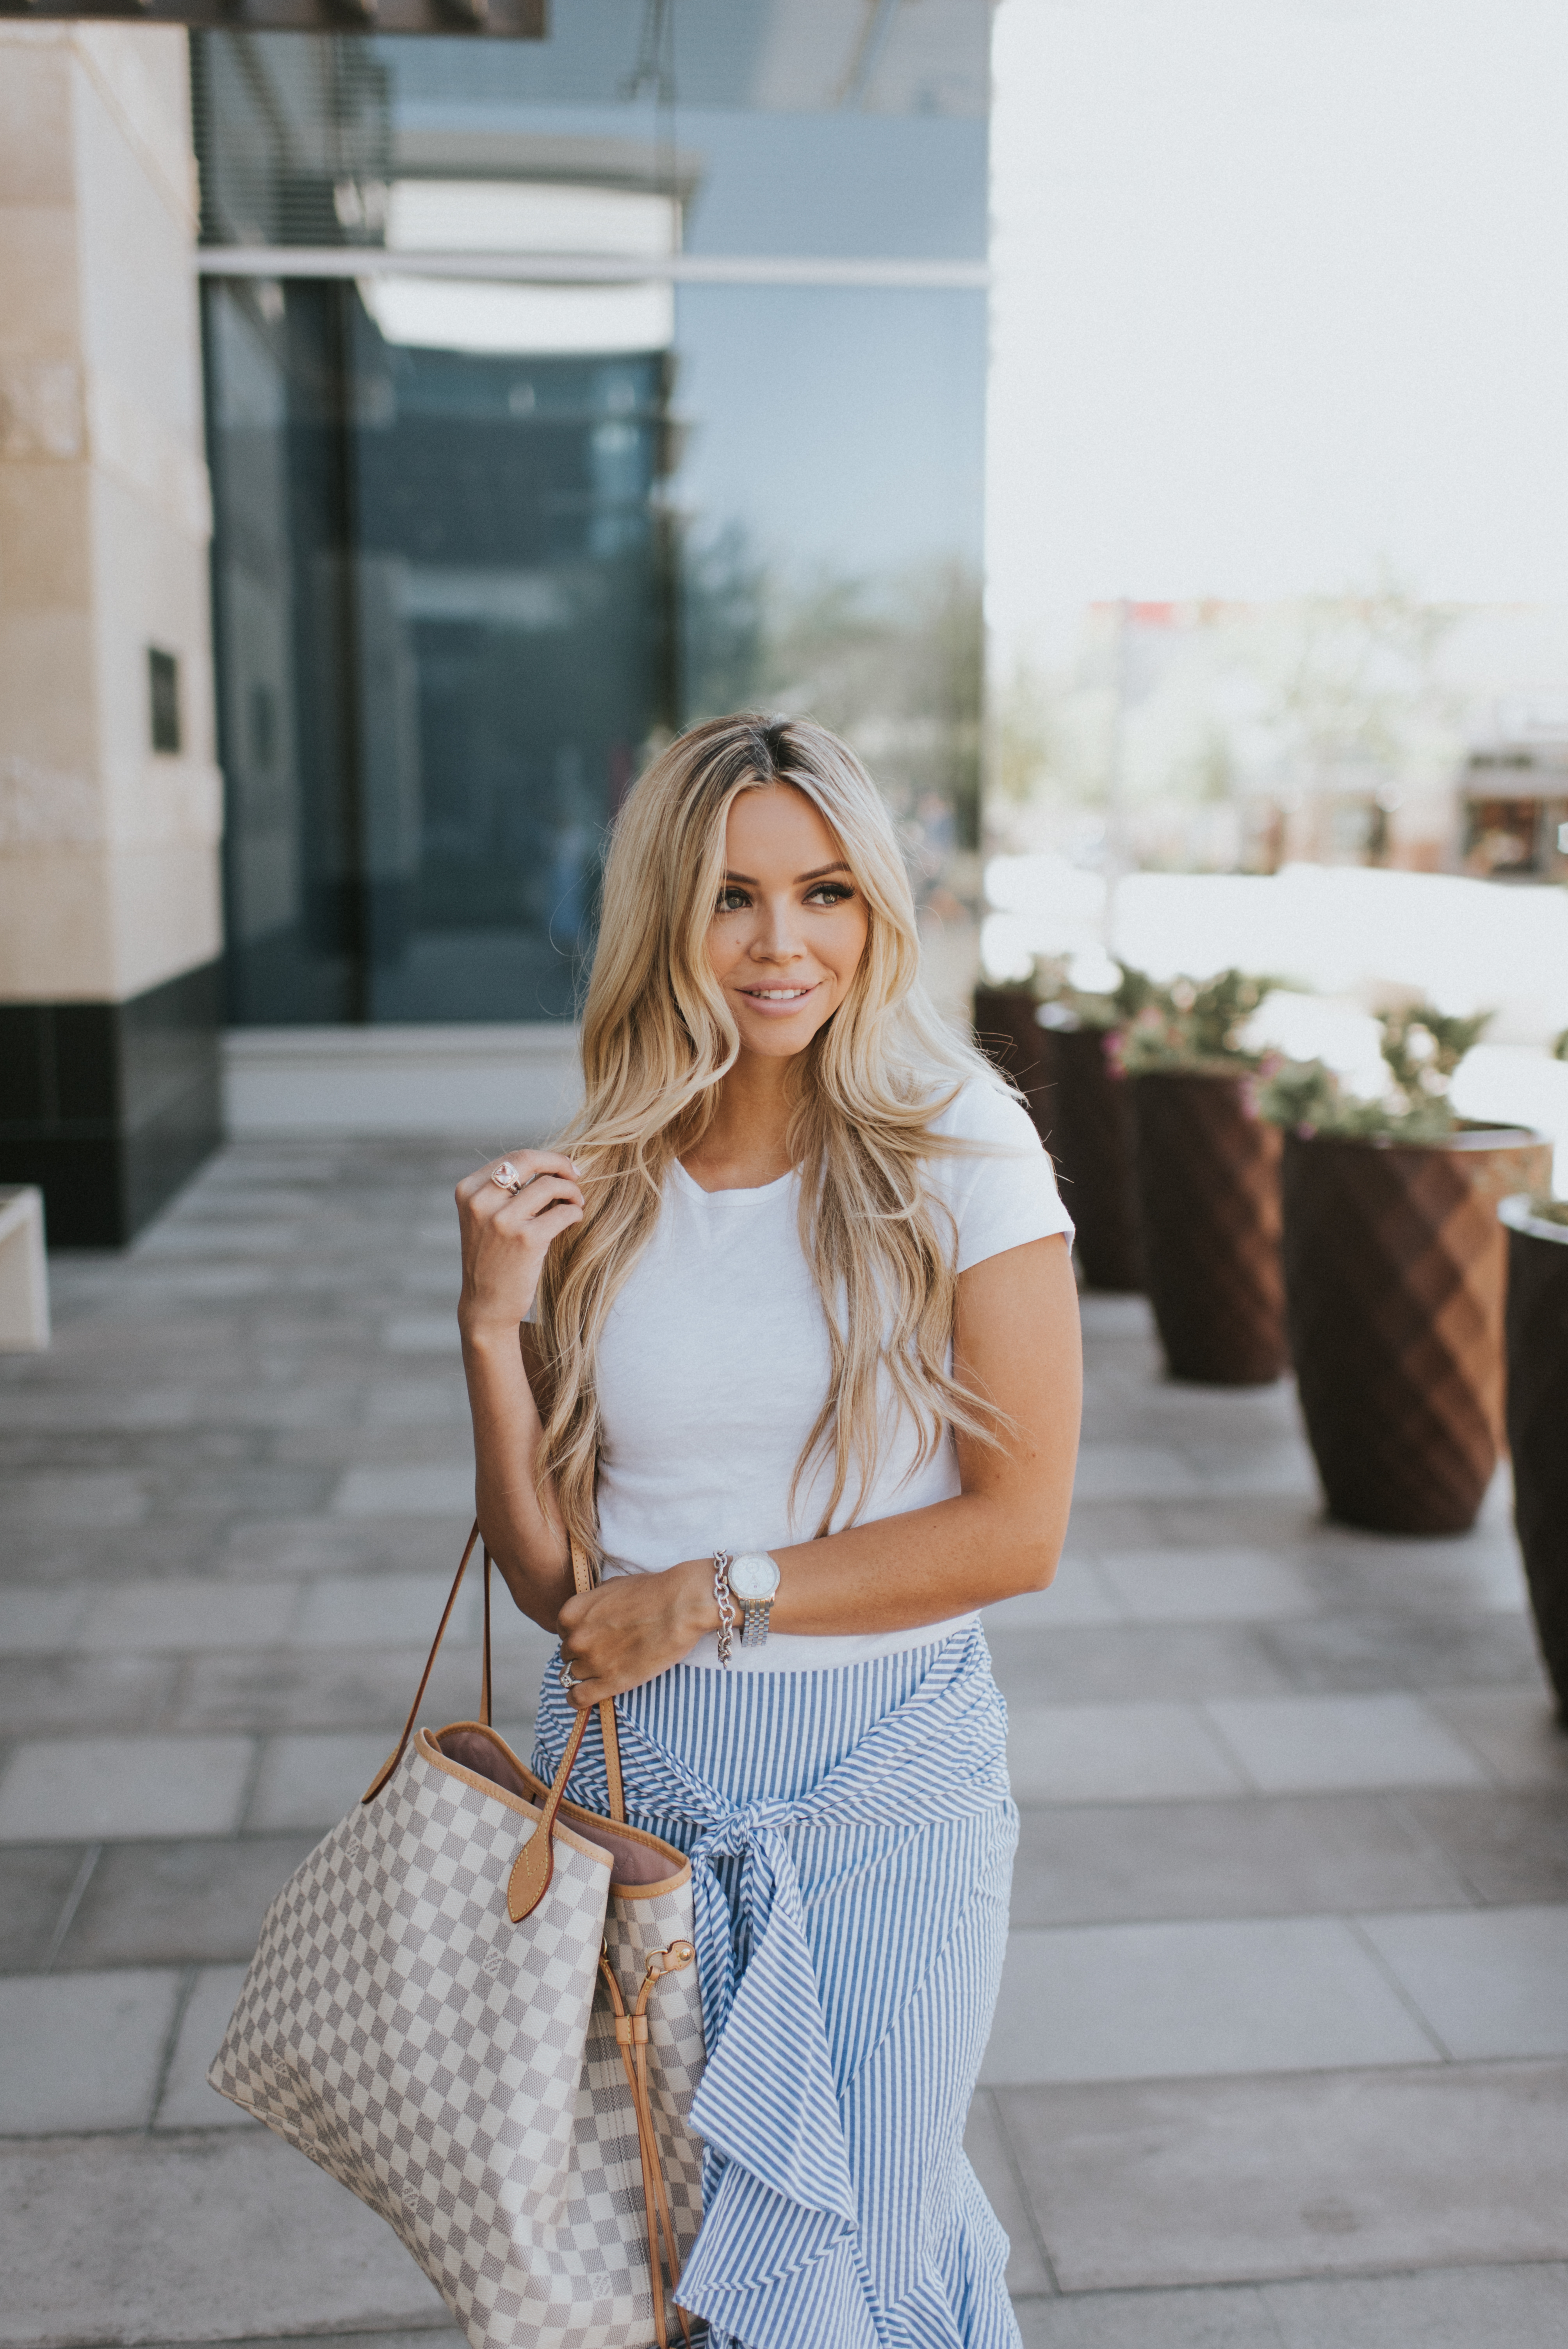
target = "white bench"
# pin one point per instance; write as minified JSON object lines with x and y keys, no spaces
{"x":24,"y":1276}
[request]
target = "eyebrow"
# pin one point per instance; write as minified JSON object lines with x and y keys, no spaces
{"x":820,"y":874}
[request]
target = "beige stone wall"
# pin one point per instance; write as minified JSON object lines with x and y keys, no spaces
{"x":109,"y":871}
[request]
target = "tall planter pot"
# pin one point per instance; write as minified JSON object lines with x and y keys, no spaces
{"x":1537,"y":1327}
{"x":1209,"y":1195}
{"x":1007,"y":1034}
{"x":1083,"y":1113}
{"x":1395,"y":1272}
{"x":1092,"y":1143}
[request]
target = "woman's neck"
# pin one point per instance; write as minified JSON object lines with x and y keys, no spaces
{"x":745,"y":1143}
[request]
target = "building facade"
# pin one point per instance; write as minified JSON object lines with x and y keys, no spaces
{"x":559,"y":391}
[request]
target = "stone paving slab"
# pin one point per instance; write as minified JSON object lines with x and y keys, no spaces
{"x":1160,"y":2001}
{"x":1449,"y":2308}
{"x":210,"y":2236}
{"x":77,"y":1788}
{"x":1218,"y":2181}
{"x":175,"y":1902}
{"x":1287,"y":1856}
{"x":83,"y":2051}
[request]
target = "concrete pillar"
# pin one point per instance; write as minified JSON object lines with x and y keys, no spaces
{"x":109,"y":794}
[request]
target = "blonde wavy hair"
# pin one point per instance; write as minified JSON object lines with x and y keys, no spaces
{"x":658,"y":1037}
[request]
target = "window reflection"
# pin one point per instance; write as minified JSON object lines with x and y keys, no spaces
{"x":500,"y":509}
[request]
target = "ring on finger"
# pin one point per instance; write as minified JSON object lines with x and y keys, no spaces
{"x":505,"y":1176}
{"x":565,"y":1671}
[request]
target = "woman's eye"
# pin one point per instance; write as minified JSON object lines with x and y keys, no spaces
{"x":731,"y":901}
{"x":830,"y":893}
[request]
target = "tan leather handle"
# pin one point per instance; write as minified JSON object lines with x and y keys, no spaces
{"x":582,"y":1578}
{"x":535,"y":1863}
{"x":396,"y":1755}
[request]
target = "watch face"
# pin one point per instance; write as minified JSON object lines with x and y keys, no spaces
{"x":753,"y":1577}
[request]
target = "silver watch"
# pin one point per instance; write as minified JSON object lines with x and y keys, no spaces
{"x":754,"y":1583}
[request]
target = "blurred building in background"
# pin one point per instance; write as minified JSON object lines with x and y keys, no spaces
{"x":558,"y":391}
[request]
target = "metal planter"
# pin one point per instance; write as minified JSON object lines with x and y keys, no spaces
{"x":1209,"y":1195}
{"x":1395,"y":1272}
{"x":1537,"y":1339}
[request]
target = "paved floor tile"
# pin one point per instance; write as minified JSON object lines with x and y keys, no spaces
{"x":40,"y":1622}
{"x":1517,"y":1732}
{"x":1490,"y":1982}
{"x":59,"y":1789}
{"x":187,"y":2101}
{"x":166,"y":1903}
{"x":35,"y":1881}
{"x":418,"y":1403}
{"x":421,"y":1333}
{"x":91,"y":1500}
{"x":1176,"y":1586}
{"x":383,"y":1610}
{"x":410,"y":1492}
{"x":1133,"y":1472}
{"x":988,"y":2149}
{"x":1136,"y":1663}
{"x":1509,"y":1847}
{"x":1271,"y":1468}
{"x":424,"y":2336}
{"x":1116,"y":1754}
{"x":230,"y":2235}
{"x":1291,"y":1745}
{"x":1168,"y":2000}
{"x":310,"y":1781}
{"x":1213,"y":2181}
{"x":337,"y":1689}
{"x":1464,"y":2308}
{"x":1078,"y":1595}
{"x":189,"y":1615}
{"x":1404,"y":1651}
{"x":1288,"y":1856}
{"x":1481,"y":1575}
{"x":1232,"y":2317}
{"x":82,"y":2050}
{"x":321,"y":1545}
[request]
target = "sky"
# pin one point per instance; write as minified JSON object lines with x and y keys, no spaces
{"x":1281,"y":299}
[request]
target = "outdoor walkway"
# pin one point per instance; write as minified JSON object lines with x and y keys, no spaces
{"x":1282,"y":2059}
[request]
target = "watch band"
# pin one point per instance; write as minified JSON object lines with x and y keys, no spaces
{"x":754,"y":1621}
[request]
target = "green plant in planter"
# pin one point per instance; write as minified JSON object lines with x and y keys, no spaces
{"x":1422,"y":1049}
{"x":1081,"y":1007}
{"x":1194,"y":1027}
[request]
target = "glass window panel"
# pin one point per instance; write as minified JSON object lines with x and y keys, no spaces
{"x":830,"y":507}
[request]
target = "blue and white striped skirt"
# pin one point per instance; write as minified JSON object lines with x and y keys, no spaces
{"x":851,"y":1837}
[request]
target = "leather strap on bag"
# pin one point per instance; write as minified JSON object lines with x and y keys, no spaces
{"x":632,"y":2038}
{"x":582,"y":1578}
{"x":535,"y":1863}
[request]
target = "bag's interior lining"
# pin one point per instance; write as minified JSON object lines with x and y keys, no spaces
{"x":632,"y":1860}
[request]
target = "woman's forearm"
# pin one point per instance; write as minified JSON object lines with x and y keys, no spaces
{"x":527,"y":1542}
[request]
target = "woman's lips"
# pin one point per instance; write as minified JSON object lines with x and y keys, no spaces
{"x":778,"y":1001}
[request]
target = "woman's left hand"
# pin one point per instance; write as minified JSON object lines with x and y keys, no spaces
{"x":632,"y":1628}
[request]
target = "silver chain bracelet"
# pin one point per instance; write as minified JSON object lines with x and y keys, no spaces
{"x":724,"y":1602}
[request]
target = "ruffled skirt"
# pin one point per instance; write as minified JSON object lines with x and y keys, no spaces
{"x":852,"y":1835}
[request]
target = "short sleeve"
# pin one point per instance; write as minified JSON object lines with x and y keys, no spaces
{"x":1002,"y":1191}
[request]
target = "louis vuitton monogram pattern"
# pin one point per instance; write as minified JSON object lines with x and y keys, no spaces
{"x":459,"y":2073}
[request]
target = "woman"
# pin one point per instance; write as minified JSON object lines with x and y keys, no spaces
{"x":802,"y":1372}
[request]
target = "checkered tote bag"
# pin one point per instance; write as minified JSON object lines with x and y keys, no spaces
{"x":477,"y":2007}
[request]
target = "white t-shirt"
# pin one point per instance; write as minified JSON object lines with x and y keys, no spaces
{"x":715,"y":1361}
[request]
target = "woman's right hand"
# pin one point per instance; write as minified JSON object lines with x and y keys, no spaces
{"x":505,"y":1236}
